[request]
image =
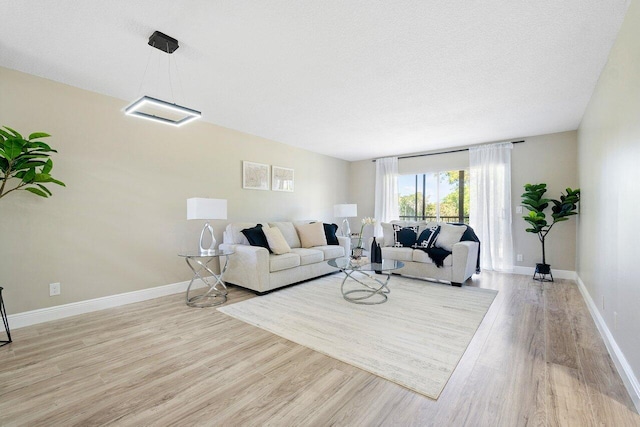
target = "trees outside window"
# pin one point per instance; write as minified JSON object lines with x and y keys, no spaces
{"x":439,"y":196}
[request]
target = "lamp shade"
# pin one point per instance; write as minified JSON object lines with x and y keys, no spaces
{"x":345,"y":211}
{"x":200,"y":208}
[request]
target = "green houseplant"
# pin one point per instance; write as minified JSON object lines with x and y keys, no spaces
{"x":533,"y":199}
{"x":25,"y":162}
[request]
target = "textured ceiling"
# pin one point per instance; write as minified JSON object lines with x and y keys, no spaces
{"x":353,"y":79}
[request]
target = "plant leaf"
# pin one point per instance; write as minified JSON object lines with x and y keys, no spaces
{"x":45,"y":189}
{"x":36,"y":191}
{"x":12,"y":148}
{"x":15,"y":133}
{"x":47,"y":166}
{"x":37,"y":135}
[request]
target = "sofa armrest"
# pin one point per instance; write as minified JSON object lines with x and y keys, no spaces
{"x":248,"y":266}
{"x":345,"y":242}
{"x":465,"y":256}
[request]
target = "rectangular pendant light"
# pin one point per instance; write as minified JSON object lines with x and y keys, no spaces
{"x":186,"y":115}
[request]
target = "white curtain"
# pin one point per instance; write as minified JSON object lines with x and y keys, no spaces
{"x":490,"y":208}
{"x":386,"y":201}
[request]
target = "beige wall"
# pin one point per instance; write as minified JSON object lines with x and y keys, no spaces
{"x":544,"y":158}
{"x":608,"y":159}
{"x":121,"y":221}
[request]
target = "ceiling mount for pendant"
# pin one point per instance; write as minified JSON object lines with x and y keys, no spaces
{"x":163,"y":42}
{"x":150,"y":108}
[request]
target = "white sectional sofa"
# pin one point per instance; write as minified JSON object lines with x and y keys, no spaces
{"x":456,"y":268}
{"x":254,"y":268}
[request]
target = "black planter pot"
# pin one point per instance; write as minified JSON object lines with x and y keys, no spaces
{"x":541,"y":273}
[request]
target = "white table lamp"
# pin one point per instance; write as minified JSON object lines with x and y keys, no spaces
{"x":345,"y":211}
{"x":208,"y":209}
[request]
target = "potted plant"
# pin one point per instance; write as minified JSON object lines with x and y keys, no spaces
{"x":26,"y":163}
{"x":533,"y":199}
{"x":356,"y":253}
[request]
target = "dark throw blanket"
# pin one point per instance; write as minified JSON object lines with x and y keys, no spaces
{"x":438,"y":255}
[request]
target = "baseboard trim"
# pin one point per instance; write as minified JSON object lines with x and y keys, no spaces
{"x":33,"y":317}
{"x":557,"y":274}
{"x":624,"y":369}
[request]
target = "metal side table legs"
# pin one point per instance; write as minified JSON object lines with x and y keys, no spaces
{"x":5,"y":321}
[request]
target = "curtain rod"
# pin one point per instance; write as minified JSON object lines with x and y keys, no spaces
{"x":441,"y":152}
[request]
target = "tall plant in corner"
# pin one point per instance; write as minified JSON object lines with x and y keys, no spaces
{"x":25,"y":163}
{"x":533,"y":199}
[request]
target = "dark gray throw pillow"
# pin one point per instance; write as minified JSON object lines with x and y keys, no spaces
{"x":256,"y":237}
{"x":330,"y":233}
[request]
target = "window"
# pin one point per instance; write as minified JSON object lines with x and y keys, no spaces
{"x":439,"y":196}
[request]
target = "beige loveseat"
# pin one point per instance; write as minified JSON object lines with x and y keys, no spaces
{"x":456,"y":268}
{"x":255,"y":268}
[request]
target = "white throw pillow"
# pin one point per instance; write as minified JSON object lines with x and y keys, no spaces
{"x":276,"y":240}
{"x":388,"y":234}
{"x":449,"y":235}
{"x":311,"y":234}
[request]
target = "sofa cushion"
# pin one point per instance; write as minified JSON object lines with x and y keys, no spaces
{"x":399,"y":254}
{"x":330,"y":233}
{"x":256,"y":237}
{"x":311,"y":234}
{"x":449,"y":235}
{"x":283,"y":262}
{"x":233,"y":233}
{"x":276,"y":241}
{"x":308,"y":256}
{"x":331,"y":251}
{"x":289,"y":232}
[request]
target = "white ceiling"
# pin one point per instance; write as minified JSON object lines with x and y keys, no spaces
{"x":353,"y":79}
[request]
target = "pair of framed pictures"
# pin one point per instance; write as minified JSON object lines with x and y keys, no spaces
{"x":255,"y":176}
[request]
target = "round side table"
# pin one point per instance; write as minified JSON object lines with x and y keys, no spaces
{"x":198,"y":262}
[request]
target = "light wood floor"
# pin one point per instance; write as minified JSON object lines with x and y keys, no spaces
{"x":537,"y":359}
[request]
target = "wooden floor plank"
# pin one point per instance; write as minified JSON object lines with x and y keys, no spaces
{"x":536,"y":360}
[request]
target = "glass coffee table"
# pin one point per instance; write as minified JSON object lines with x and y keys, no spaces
{"x":366,"y":288}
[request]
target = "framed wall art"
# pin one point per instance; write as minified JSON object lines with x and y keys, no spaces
{"x":255,"y":176}
{"x":281,"y":179}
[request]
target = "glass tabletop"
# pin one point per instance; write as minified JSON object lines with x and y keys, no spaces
{"x":365,"y":265}
{"x":207,"y":254}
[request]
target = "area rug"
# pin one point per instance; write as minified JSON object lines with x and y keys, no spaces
{"x":415,"y":339}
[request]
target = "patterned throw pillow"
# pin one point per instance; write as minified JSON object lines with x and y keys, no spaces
{"x":427,"y":238}
{"x":405,"y":237}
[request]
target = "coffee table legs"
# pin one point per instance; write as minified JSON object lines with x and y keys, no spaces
{"x":373,"y":291}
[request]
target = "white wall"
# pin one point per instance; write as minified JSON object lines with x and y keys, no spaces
{"x":121,"y":220}
{"x":609,"y":172}
{"x":545,"y":158}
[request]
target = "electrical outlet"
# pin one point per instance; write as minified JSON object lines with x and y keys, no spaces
{"x":519,"y":258}
{"x":603,"y":302}
{"x":615,"y":320}
{"x":518,"y":209}
{"x":54,"y":289}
